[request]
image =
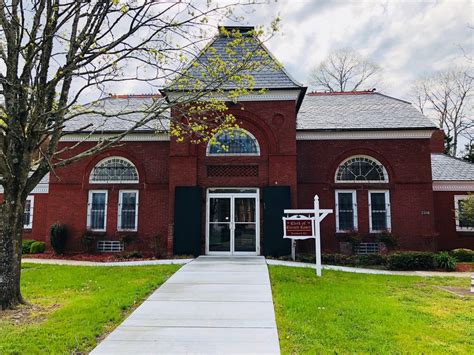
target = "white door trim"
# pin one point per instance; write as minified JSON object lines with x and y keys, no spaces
{"x":232,"y":196}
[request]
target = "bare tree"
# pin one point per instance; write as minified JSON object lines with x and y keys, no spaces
{"x":58,"y":54}
{"x":344,"y":70}
{"x":446,"y":97}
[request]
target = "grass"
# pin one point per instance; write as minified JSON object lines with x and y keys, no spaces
{"x":71,"y":306}
{"x":356,"y":313}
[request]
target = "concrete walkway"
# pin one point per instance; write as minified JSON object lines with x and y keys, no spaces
{"x":212,"y":305}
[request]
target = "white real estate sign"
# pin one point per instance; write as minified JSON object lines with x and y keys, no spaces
{"x":300,"y":224}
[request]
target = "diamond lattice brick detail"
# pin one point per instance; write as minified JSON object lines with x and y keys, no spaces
{"x":232,"y":170}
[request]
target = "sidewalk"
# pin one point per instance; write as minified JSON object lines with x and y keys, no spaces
{"x":212,"y":305}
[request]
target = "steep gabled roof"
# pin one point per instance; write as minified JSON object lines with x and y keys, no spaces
{"x":271,"y":75}
{"x":447,"y":168}
{"x":360,"y":110}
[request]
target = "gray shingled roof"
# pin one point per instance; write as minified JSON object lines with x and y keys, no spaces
{"x":361,"y":111}
{"x":124,"y":112}
{"x":268,"y":76}
{"x":447,"y":168}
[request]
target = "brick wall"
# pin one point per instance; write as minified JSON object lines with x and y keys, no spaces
{"x":448,"y":237}
{"x":409,"y":168}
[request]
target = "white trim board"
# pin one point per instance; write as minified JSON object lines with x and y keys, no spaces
{"x":379,"y":134}
{"x":453,"y":186}
{"x":132,"y":137}
{"x":268,"y":95}
{"x":41,"y":188}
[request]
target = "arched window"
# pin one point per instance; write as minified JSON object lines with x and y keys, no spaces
{"x":361,"y":169}
{"x":233,"y":142}
{"x":114,"y":170}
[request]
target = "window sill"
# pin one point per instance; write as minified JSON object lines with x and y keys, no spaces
{"x":465,"y":232}
{"x":27,"y":229}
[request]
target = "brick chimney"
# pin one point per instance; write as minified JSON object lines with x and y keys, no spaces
{"x":437,"y":141}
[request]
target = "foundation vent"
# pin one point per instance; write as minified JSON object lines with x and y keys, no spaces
{"x":109,"y":246}
{"x":232,"y":171}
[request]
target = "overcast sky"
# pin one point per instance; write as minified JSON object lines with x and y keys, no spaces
{"x":406,"y":38}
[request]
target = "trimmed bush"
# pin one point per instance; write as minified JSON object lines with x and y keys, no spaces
{"x":334,"y":259}
{"x":463,"y":255}
{"x":411,"y":260}
{"x":389,"y":240}
{"x":26,"y":246}
{"x":58,"y":237}
{"x":367,"y":260}
{"x":37,"y":247}
{"x":445,"y":261}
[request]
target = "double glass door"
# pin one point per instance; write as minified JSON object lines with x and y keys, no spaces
{"x":232,"y":226}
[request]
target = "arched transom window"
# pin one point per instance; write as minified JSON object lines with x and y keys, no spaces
{"x":114,"y":170}
{"x":361,"y":169}
{"x":233,"y":142}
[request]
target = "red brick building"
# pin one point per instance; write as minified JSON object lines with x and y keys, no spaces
{"x":372,"y":158}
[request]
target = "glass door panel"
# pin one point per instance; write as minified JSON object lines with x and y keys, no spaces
{"x":220,"y":224}
{"x":245,"y":229}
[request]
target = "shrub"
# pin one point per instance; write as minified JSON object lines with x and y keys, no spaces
{"x":87,"y":242}
{"x":367,"y":260}
{"x":389,"y":240}
{"x":445,"y":261}
{"x":334,"y":259}
{"x":37,"y":247}
{"x":463,"y":255}
{"x":134,"y":254}
{"x":411,"y":260}
{"x":58,"y":237}
{"x":26,"y":245}
{"x":126,"y":239}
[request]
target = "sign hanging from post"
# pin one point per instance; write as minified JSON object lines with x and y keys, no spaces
{"x":303,"y":224}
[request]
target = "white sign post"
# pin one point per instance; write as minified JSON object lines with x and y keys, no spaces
{"x":305,"y":224}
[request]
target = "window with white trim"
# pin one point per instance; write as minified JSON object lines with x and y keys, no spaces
{"x":97,"y":210}
{"x":346,"y":210}
{"x":379,"y":211}
{"x":128,"y":210}
{"x":28,"y":212}
{"x":114,"y":170}
{"x":234,"y":142}
{"x":361,"y":169}
{"x":464,"y":213}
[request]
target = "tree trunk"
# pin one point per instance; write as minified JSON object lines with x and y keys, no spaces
{"x":11,"y":230}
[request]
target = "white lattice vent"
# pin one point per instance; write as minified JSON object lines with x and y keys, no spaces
{"x":367,"y":248}
{"x":109,"y":246}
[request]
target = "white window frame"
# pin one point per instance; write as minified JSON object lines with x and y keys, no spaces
{"x":387,"y":209}
{"x":209,"y":145}
{"x":89,"y":210}
{"x":32,"y":208}
{"x":354,"y":208}
{"x":384,"y":170}
{"x":119,"y":211}
{"x":113,"y":181}
{"x":458,"y":198}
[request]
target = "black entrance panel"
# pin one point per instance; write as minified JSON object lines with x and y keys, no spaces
{"x":187,"y":221}
{"x":275,"y":199}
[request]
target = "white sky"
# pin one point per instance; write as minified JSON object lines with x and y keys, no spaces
{"x":406,"y":38}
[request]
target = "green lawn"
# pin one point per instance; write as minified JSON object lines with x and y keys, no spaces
{"x":348,"y":313}
{"x":73,"y":305}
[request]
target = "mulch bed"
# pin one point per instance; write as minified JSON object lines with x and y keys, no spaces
{"x":465,"y":267}
{"x":99,"y":257}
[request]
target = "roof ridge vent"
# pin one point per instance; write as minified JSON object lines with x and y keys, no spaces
{"x":322,"y":93}
{"x":245,"y":30}
{"x":134,"y":96}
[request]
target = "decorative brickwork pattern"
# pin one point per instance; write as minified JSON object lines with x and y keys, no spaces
{"x":232,"y":170}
